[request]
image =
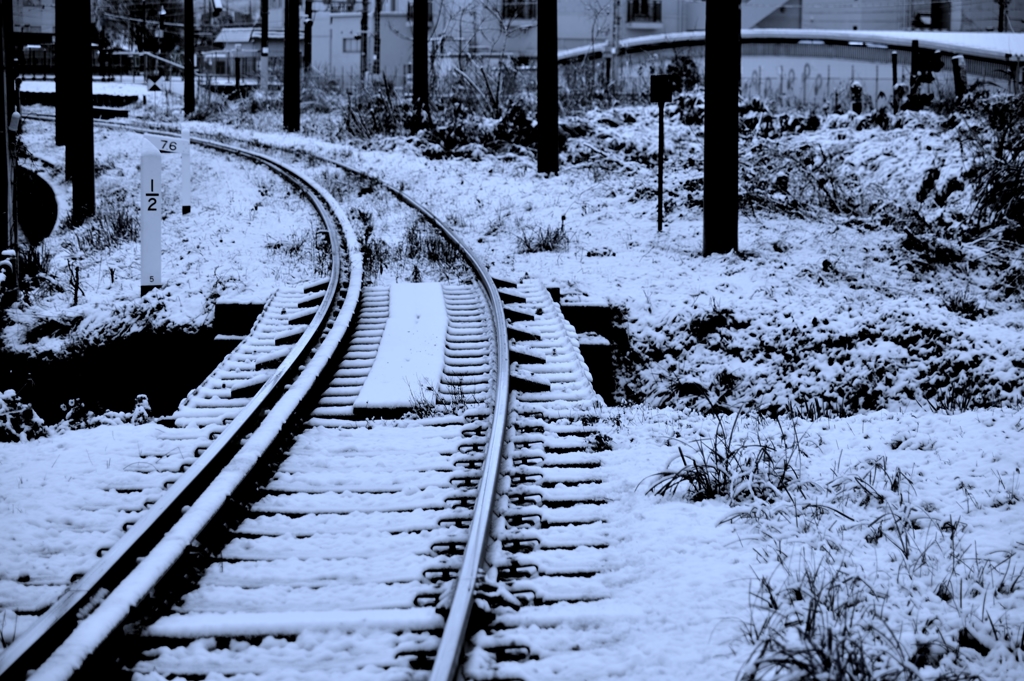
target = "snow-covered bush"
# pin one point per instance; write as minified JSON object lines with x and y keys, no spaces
{"x":998,"y":149}
{"x":823,"y":621}
{"x":731,"y":467}
{"x":18,"y":421}
{"x":78,"y":417}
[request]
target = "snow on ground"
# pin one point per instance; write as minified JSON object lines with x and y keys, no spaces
{"x":900,"y":358}
{"x":410,"y":358}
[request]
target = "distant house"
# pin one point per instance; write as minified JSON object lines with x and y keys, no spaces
{"x":507,"y":29}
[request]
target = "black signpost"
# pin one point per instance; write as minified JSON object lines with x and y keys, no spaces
{"x":661,"y":92}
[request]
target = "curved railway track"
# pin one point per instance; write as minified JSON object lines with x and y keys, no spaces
{"x":303,"y":539}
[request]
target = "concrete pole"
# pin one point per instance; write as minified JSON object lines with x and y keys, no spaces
{"x":364,"y":39}
{"x":62,"y":75}
{"x":264,"y":46}
{"x":721,"y":127}
{"x":376,"y":36}
{"x":190,"y":57}
{"x":420,"y":70}
{"x":9,"y":233}
{"x":547,"y":87}
{"x":307,"y":48}
{"x":79,"y":144}
{"x":291,"y":65}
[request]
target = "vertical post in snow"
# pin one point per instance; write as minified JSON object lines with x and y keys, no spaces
{"x":186,"y":170}
{"x":376,"y":36}
{"x":291,"y":65}
{"x":721,"y":127}
{"x":420,"y":72}
{"x":661,"y":165}
{"x":62,"y":76}
{"x":79,"y":142}
{"x":364,"y":28}
{"x":661,"y":92}
{"x":150,"y":218}
{"x":548,"y":142}
{"x":9,"y":228}
{"x":959,"y":75}
{"x":190,"y":57}
{"x":307,"y":47}
{"x":264,"y":47}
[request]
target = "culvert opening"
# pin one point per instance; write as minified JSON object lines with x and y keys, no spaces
{"x":603,"y":344}
{"x":163,"y":365}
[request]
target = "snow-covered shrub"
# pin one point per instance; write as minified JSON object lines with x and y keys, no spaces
{"x":736,"y":469}
{"x":114,"y":223}
{"x":998,"y":149}
{"x":822,"y":621}
{"x":374,"y":110}
{"x":789,"y":364}
{"x":78,"y":417}
{"x":18,"y":421}
{"x":542,"y":239}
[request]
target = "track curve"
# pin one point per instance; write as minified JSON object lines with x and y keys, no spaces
{"x":56,"y":644}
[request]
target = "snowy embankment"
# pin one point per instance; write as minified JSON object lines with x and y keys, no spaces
{"x":856,"y":303}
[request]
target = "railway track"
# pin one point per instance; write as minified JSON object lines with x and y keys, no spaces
{"x":313,"y":534}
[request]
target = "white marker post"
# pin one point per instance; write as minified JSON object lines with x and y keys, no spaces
{"x":186,"y":170}
{"x":167,"y":144}
{"x":150,"y":218}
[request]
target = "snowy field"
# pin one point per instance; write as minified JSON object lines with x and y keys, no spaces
{"x":863,"y":346}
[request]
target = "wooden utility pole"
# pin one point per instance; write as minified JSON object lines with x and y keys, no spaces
{"x":420,"y":72}
{"x":721,"y":127}
{"x":264,"y":46}
{"x":307,"y":48}
{"x":548,"y":142}
{"x":291,"y":65}
{"x":1004,"y":8}
{"x":62,"y":75}
{"x":376,"y":36}
{"x":79,"y":151}
{"x":364,"y":40}
{"x":190,"y":57}
{"x":9,"y":229}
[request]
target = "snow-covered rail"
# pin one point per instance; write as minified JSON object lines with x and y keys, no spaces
{"x":336,"y":545}
{"x":106,"y":597}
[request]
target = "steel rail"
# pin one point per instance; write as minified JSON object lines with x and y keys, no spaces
{"x":448,"y":658}
{"x":102,"y":600}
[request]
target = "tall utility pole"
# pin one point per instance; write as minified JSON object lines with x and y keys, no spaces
{"x":62,"y":74}
{"x":79,"y":150}
{"x":291,"y":65}
{"x":307,"y":48}
{"x":190,"y":57}
{"x":264,"y":46}
{"x":547,"y":87}
{"x":376,"y":35}
{"x":9,"y":228}
{"x":721,"y":127}
{"x":613,"y":45}
{"x":420,"y":72}
{"x":1004,"y":8}
{"x":364,"y":27}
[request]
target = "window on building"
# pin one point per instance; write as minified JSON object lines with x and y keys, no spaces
{"x":351,"y":44}
{"x":519,"y":9}
{"x":643,"y":10}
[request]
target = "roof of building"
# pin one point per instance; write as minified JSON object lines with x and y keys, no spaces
{"x":982,"y":44}
{"x":245,"y":34}
{"x":234,"y":34}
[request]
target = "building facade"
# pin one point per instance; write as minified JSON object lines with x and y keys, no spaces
{"x":464,"y":30}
